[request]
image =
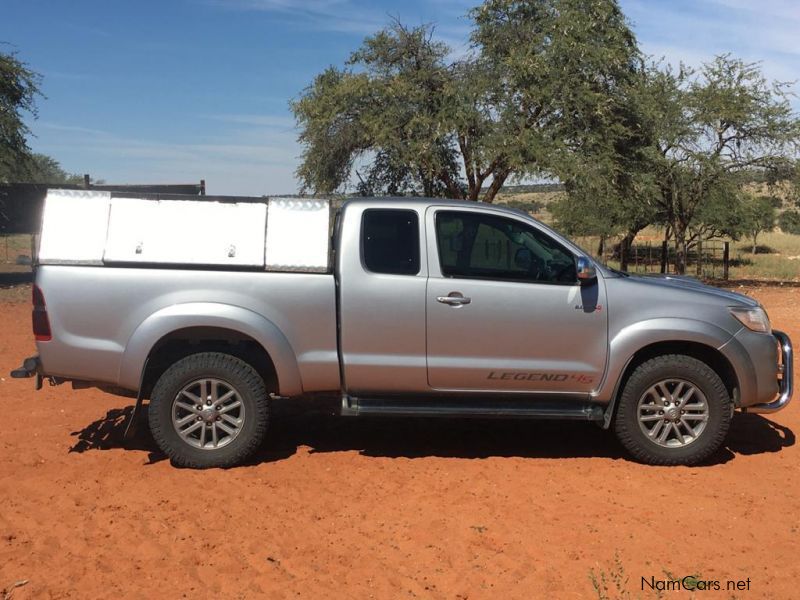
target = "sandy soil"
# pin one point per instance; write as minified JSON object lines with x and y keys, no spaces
{"x":385,"y":509}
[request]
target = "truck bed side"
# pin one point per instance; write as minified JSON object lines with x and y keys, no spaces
{"x":105,"y":320}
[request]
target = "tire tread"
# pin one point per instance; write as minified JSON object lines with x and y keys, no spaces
{"x":179,"y":453}
{"x":655,"y":455}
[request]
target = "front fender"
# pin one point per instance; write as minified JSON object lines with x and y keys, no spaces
{"x":210,"y":314}
{"x":629,"y":340}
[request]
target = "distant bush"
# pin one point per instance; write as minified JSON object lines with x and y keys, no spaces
{"x":533,"y":188}
{"x":773,"y":201}
{"x":531,"y":206}
{"x":789,"y":222}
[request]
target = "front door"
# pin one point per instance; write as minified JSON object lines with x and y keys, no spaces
{"x":505,"y":311}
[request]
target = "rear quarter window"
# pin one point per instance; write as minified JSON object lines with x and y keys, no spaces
{"x":390,"y":241}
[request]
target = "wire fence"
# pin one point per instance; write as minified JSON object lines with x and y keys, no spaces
{"x":709,"y":259}
{"x":16,"y":251}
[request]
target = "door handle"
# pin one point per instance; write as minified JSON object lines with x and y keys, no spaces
{"x":454,"y":299}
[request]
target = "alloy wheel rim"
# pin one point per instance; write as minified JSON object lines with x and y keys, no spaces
{"x":673,"y":413}
{"x":208,"y":413}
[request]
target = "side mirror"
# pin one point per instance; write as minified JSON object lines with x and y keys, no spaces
{"x":586,"y":271}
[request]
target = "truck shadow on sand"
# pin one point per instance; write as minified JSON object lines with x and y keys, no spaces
{"x":314,"y":424}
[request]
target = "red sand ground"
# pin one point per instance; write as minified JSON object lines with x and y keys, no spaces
{"x":385,"y":509}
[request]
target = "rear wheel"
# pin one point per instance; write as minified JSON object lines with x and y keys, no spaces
{"x":209,"y":410}
{"x":674,"y":410}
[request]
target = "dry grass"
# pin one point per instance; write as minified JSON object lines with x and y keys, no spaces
{"x":12,"y":247}
{"x":777,"y":257}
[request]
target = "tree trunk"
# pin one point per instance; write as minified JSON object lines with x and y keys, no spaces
{"x":625,"y":248}
{"x":681,"y":248}
{"x":499,"y":178}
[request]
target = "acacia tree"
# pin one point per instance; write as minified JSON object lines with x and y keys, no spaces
{"x":540,"y":88}
{"x":19,"y":87}
{"x":709,"y":128}
{"x":41,"y":168}
{"x":758,"y":216}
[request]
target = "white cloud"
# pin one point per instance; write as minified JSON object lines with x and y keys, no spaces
{"x":272,"y":121}
{"x":344,"y":16}
{"x":763,"y":32}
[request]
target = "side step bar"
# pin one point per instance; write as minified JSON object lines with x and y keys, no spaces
{"x":483,"y":408}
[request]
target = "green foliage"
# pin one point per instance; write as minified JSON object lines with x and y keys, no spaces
{"x":540,"y":94}
{"x":19,"y":87}
{"x":789,"y":222}
{"x":40,"y":168}
{"x":386,"y":108}
{"x":710,"y":131}
{"x":560,"y":67}
{"x":578,"y":214}
{"x":758,"y":216}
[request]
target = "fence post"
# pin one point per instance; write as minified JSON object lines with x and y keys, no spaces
{"x":699,"y":266}
{"x":664,"y":250}
{"x":623,"y":254}
{"x":726,"y":256}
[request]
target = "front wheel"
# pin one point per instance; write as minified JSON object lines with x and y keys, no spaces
{"x":209,"y":410}
{"x":674,"y":410}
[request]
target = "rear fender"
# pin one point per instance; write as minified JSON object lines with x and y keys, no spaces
{"x":210,"y":314}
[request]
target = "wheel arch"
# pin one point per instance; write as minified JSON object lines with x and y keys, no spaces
{"x":646,"y":340}
{"x":183,"y":329}
{"x":193,"y":340}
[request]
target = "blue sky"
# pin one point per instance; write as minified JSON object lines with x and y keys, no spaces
{"x":179,"y":90}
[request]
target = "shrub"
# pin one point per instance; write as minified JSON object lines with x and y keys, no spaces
{"x":789,"y":222}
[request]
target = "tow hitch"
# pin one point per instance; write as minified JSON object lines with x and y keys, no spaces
{"x":31,"y":367}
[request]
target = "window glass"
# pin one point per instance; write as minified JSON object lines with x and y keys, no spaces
{"x":390,"y":241}
{"x":475,"y":245}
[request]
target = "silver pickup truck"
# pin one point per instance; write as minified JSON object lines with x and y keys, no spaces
{"x":413,"y":307}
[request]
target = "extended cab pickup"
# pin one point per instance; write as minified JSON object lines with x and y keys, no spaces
{"x":399,"y":306}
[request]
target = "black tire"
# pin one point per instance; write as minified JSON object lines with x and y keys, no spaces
{"x":673,"y":367}
{"x":233,"y":373}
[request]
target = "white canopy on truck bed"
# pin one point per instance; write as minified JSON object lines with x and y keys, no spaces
{"x":101,"y":228}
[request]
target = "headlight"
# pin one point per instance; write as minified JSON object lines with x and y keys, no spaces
{"x":755,"y":319}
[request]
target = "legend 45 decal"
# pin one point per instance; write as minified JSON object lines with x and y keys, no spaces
{"x":557,"y":377}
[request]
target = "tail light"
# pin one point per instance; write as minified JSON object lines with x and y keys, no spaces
{"x":41,"y":324}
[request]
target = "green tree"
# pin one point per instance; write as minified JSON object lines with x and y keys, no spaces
{"x":385,"y":110}
{"x":559,"y":70}
{"x":541,"y":88}
{"x":709,"y":129}
{"x":758,"y":216}
{"x":19,"y":87}
{"x":40,"y":168}
{"x":789,"y":222}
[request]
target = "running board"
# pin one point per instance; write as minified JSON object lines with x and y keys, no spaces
{"x":492,"y":408}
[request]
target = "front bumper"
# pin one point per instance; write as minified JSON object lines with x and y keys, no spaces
{"x":786,"y":381}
